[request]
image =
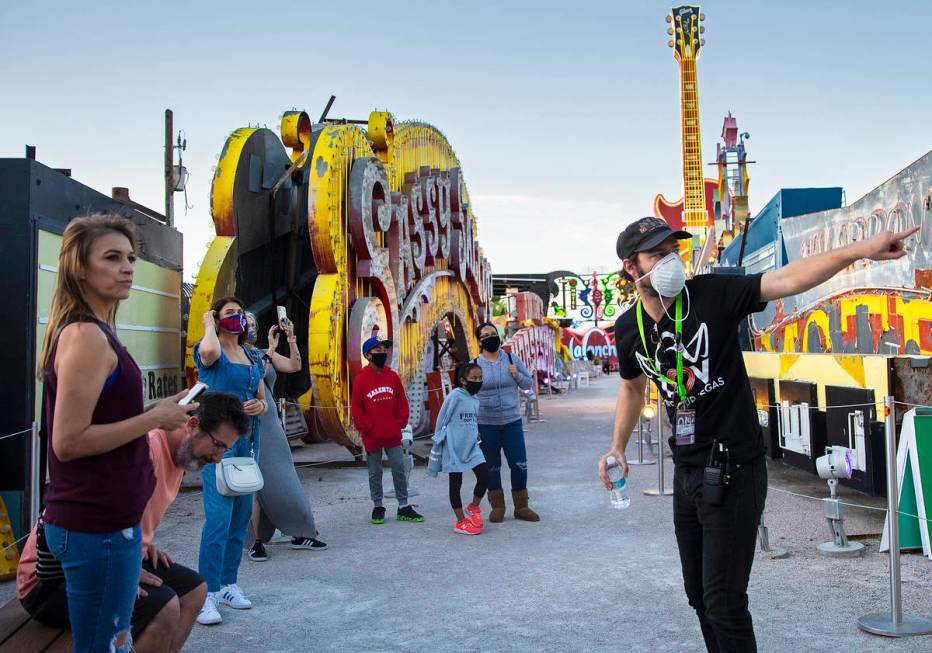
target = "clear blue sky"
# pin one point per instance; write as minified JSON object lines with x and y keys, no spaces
{"x":565,"y":115}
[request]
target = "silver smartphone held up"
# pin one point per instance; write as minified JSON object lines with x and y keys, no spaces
{"x":282,"y":317}
{"x":196,"y":391}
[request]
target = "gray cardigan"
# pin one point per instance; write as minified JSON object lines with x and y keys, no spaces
{"x":498,"y":398}
{"x":456,"y":438}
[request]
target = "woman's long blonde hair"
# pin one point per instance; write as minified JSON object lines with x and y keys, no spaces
{"x":69,"y":301}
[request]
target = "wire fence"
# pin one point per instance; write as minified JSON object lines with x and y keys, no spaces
{"x":847,"y":503}
{"x":16,"y":543}
{"x":13,"y":435}
{"x":875,"y":404}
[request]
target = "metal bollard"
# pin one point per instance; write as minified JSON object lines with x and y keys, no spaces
{"x":640,"y":460}
{"x":894,"y":624}
{"x":763,"y":541}
{"x":660,"y":490}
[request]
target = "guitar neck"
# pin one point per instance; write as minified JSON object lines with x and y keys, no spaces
{"x":694,"y":214}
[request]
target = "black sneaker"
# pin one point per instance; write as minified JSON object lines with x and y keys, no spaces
{"x":257,"y":553}
{"x":378,"y":515}
{"x":408,"y":514}
{"x":307,"y":543}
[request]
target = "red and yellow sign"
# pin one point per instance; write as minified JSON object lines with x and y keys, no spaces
{"x":391,"y":232}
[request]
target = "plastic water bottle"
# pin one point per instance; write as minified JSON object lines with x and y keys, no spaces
{"x":619,"y":491}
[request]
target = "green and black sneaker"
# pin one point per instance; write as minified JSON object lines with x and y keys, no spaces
{"x":408,"y":514}
{"x":378,"y":515}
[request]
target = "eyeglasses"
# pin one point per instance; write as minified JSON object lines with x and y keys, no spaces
{"x":218,"y":445}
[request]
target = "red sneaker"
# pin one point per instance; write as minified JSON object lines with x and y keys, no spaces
{"x":475,"y":515}
{"x":466,"y":527}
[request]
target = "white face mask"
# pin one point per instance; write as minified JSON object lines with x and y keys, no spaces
{"x":668,"y":276}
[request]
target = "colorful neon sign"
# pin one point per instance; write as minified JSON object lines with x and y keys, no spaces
{"x":392,"y":235}
{"x":591,"y":298}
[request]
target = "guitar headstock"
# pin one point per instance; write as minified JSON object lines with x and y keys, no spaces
{"x":685,"y":28}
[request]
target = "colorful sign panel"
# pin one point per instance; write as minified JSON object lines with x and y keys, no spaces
{"x":391,"y":232}
{"x":535,"y":346}
{"x":589,"y":299}
{"x":597,"y":342}
{"x":872,"y":307}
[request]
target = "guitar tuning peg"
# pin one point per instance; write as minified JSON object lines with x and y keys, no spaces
{"x":701,"y":29}
{"x":669,"y":18}
{"x":701,"y":41}
{"x":670,"y":31}
{"x":670,"y":43}
{"x":701,"y":17}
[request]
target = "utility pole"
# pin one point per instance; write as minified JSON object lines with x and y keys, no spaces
{"x":169,"y":170}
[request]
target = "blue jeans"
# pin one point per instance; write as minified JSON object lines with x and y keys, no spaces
{"x":101,"y":578}
{"x":510,"y":438}
{"x":225,"y":524}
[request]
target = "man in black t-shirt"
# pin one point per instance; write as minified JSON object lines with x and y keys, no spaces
{"x":683,"y":336}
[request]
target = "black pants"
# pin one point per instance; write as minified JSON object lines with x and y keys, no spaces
{"x":48,"y":604}
{"x":716,"y":545}
{"x":456,"y":482}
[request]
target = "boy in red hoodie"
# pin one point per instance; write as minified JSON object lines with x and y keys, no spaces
{"x":380,"y":412}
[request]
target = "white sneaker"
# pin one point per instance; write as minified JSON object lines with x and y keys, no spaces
{"x":279,"y":538}
{"x":233,"y":596}
{"x":209,"y":615}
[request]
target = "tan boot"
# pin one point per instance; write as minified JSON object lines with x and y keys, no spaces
{"x":522,"y":511}
{"x":497,"y":501}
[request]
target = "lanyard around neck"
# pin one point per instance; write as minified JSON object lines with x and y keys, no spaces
{"x":678,"y":328}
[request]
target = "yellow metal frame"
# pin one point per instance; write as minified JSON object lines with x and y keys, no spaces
{"x":221,"y":190}
{"x":216,"y":278}
{"x":851,"y":370}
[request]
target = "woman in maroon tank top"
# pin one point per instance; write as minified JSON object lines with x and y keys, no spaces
{"x":100,"y":474}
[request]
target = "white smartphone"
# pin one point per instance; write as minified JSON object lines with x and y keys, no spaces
{"x":196,"y":391}
{"x":282,"y":317}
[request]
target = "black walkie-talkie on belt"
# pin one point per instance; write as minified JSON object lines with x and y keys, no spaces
{"x":717,"y":474}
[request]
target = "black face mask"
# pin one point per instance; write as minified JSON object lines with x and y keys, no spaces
{"x":472,"y":387}
{"x":491,"y":344}
{"x":379,"y":360}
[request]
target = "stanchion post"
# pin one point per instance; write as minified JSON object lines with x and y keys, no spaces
{"x":640,"y":460}
{"x":640,"y":440}
{"x":660,"y":490}
{"x":763,"y":542}
{"x":34,"y":484}
{"x":894,"y":624}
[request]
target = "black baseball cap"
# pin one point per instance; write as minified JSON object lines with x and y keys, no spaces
{"x":644,"y":234}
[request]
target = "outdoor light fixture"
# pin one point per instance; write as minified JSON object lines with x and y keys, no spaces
{"x":838,"y":462}
{"x":648,"y":412}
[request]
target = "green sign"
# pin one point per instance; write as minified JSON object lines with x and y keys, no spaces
{"x":914,"y":472}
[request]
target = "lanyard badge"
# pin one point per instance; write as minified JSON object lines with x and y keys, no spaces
{"x":685,"y":426}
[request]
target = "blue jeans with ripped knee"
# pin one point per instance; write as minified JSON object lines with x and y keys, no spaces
{"x":510,"y":439}
{"x":101,"y":578}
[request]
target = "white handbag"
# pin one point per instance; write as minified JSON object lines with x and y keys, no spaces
{"x":239,"y":476}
